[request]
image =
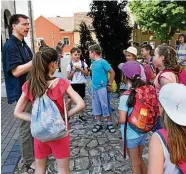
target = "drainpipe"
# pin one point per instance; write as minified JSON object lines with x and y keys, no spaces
{"x":15,"y":6}
{"x":30,"y":12}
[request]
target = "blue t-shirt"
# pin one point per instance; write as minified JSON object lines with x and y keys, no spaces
{"x":15,"y":53}
{"x":100,"y":70}
{"x":131,"y":134}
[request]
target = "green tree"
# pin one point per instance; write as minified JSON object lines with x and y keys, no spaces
{"x":110,"y":21}
{"x":161,"y":17}
{"x":85,"y":41}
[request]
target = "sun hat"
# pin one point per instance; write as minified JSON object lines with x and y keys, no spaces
{"x":132,"y":50}
{"x":130,"y":68}
{"x":173,"y":99}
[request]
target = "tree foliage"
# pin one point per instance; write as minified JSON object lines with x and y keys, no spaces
{"x":85,"y":41}
{"x":110,"y":21}
{"x":161,"y":17}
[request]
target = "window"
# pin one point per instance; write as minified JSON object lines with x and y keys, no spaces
{"x":145,"y":42}
{"x":66,"y":41}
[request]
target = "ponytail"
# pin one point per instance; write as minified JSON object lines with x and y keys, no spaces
{"x":38,"y":77}
{"x":136,"y":82}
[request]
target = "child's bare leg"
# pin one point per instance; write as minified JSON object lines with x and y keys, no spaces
{"x":63,"y":166}
{"x":143,"y":166}
{"x":134,"y":155}
{"x":41,"y":166}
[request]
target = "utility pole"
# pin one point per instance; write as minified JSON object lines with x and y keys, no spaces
{"x":30,"y":12}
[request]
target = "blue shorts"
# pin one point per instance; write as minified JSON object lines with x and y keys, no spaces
{"x":134,"y":143}
{"x":101,"y":102}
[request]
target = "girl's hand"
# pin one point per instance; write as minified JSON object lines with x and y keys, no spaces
{"x":109,"y":88}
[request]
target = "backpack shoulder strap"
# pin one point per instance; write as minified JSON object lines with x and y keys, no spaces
{"x":127,"y":92}
{"x":163,"y":134}
{"x":51,"y":83}
{"x":152,"y":65}
{"x":71,"y":65}
{"x":82,"y":64}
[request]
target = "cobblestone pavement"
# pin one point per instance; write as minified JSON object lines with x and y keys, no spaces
{"x":10,"y":149}
{"x":91,"y":153}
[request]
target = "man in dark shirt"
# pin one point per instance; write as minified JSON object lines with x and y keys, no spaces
{"x":17,"y":62}
{"x":59,"y":49}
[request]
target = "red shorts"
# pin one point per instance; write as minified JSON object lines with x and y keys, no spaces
{"x":59,"y":148}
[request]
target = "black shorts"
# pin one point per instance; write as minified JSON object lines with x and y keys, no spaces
{"x":79,"y":88}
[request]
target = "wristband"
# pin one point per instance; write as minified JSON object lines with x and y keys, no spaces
{"x":108,"y":85}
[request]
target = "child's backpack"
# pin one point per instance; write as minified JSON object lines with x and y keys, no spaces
{"x":163,"y":134}
{"x":181,"y":75}
{"x":113,"y":85}
{"x":145,"y":111}
{"x":46,"y":121}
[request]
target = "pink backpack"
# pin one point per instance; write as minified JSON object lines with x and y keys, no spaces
{"x":181,"y":75}
{"x":163,"y":135}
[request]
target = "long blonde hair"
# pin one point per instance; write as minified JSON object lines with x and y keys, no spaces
{"x":176,"y":139}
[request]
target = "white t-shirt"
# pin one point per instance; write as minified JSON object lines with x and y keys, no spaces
{"x":78,"y":76}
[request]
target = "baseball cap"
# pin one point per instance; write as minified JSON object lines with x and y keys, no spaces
{"x":132,"y":50}
{"x":173,"y":99}
{"x":130,"y":68}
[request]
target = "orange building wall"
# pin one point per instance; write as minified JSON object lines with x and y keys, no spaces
{"x":44,"y":29}
{"x":69,"y":35}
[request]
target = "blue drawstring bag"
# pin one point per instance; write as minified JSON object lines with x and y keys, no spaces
{"x":46,"y":121}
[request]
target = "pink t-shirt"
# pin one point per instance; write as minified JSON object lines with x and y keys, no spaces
{"x":168,"y":75}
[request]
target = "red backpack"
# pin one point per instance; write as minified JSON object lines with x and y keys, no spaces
{"x":181,"y":75}
{"x":145,"y":111}
{"x":163,"y":134}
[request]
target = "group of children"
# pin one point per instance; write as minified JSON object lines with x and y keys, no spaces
{"x":172,"y":99}
{"x":135,"y":75}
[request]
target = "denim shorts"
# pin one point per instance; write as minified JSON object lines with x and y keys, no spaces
{"x":101,"y":102}
{"x":134,"y":143}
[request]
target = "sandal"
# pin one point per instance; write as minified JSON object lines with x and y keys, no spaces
{"x":82,"y":118}
{"x":27,"y":169}
{"x":111,"y":128}
{"x":97,"y":128}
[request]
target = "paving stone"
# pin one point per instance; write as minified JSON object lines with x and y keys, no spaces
{"x":96,"y":161}
{"x":97,"y":170}
{"x":11,"y":161}
{"x":5,"y":155}
{"x":8,"y":169}
{"x":8,"y":148}
{"x":92,"y":143}
{"x":16,"y":148}
{"x":81,"y":172}
{"x":14,"y":155}
{"x":82,"y":163}
{"x":94,"y":152}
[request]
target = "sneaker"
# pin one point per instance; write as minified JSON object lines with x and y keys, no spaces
{"x":82,"y":118}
